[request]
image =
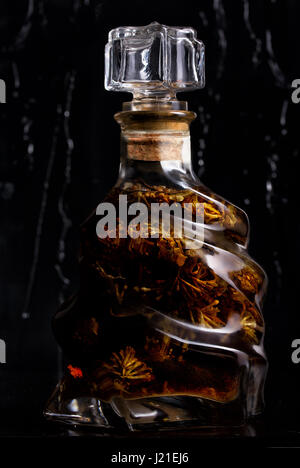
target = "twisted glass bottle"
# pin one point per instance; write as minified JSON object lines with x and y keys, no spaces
{"x":166,"y":329}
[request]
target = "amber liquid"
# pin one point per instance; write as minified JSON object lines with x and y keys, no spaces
{"x":155,"y":320}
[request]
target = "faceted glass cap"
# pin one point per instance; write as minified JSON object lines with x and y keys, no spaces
{"x":154,"y":60}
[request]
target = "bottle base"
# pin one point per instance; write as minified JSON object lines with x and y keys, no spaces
{"x":80,"y":411}
{"x":149,"y":414}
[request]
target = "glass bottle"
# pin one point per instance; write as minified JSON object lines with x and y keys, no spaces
{"x":167,"y":328}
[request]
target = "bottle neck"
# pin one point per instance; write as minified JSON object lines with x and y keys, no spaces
{"x":155,"y":146}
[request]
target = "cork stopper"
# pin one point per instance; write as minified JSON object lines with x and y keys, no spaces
{"x":156,"y":136}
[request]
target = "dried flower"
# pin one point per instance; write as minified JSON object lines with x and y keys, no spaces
{"x":250,"y":317}
{"x":207,"y":316}
{"x":198,"y":281}
{"x":126,"y":365}
{"x":75,"y":372}
{"x":248,"y":324}
{"x":247,"y":279}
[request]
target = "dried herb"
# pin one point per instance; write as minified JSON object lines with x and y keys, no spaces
{"x":126,"y":365}
{"x":206,"y":288}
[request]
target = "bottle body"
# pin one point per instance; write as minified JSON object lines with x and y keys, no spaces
{"x":167,"y":327}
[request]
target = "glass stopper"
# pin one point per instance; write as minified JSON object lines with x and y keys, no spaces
{"x":154,"y":61}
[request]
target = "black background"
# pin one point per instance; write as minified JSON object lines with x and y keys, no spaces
{"x":59,"y":155}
